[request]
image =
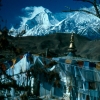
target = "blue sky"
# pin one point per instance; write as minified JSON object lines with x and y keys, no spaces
{"x":11,"y":9}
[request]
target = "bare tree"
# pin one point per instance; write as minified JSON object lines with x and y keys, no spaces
{"x":92,"y":2}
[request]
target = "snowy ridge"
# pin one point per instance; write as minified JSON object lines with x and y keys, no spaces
{"x":41,"y":21}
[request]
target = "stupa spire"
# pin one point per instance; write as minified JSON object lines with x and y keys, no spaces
{"x":72,"y":48}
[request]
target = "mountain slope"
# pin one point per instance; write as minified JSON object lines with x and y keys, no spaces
{"x":37,"y":22}
{"x":57,"y":42}
{"x":41,"y":21}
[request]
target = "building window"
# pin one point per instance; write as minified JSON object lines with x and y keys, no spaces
{"x":92,"y":85}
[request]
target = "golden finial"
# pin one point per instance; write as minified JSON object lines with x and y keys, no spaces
{"x":72,"y":46}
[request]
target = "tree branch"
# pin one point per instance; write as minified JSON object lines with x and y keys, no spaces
{"x":82,"y":11}
{"x":94,"y":3}
{"x":86,"y":1}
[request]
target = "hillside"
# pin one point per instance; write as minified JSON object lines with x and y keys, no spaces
{"x":57,"y":43}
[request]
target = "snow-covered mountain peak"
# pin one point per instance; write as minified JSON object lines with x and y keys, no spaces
{"x":80,"y":23}
{"x":36,"y":17}
{"x":41,"y":21}
{"x":32,"y":12}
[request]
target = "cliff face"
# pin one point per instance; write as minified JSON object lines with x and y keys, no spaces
{"x":57,"y":43}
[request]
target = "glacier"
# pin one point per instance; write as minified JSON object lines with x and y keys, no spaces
{"x":40,"y":21}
